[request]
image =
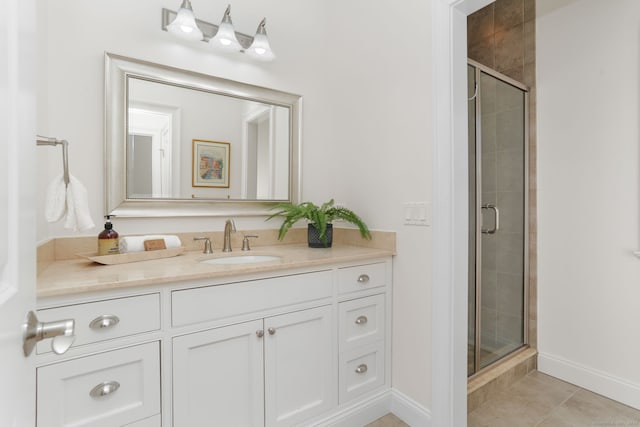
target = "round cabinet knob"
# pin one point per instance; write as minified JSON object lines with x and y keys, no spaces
{"x":361,"y":320}
{"x":260,"y":333}
{"x":361,"y":369}
{"x":363,"y":278}
{"x":271,"y":331}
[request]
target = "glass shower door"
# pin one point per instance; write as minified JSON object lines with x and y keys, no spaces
{"x":499,"y":223}
{"x":471,"y":341}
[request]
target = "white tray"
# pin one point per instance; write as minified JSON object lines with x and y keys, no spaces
{"x":133,"y":256}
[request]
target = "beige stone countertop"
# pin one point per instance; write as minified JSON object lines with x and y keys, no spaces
{"x":81,"y":275}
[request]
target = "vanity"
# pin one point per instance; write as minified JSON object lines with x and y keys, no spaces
{"x":286,"y":336}
{"x":304,"y":339}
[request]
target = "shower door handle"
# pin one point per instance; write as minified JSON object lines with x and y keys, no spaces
{"x":496,"y":225}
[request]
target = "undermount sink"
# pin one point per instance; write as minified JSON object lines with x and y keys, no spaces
{"x":241,"y":259}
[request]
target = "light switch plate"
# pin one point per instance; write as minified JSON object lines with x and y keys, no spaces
{"x":417,"y":213}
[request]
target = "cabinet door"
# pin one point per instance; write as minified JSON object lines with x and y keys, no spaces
{"x":218,"y":377}
{"x":300,"y":370}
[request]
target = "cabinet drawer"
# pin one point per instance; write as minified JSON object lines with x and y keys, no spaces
{"x":367,"y":276}
{"x":361,"y":370}
{"x":124,"y":316}
{"x":154,"y":421}
{"x":217,"y":302}
{"x":361,"y":321}
{"x":68,"y":392}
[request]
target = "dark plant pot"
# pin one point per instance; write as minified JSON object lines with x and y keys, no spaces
{"x":313,"y":235}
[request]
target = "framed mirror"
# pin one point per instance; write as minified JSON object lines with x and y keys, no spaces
{"x":180,"y":143}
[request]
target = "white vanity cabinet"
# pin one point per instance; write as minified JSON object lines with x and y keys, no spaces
{"x":113,"y":388}
{"x":362,"y":331}
{"x":300,"y":372}
{"x":110,"y":376}
{"x":285,"y":348}
{"x":218,"y":377}
{"x":277,"y":371}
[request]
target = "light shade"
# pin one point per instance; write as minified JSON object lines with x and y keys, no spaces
{"x":184,"y":26}
{"x":260,"y":48}
{"x":225,"y":38}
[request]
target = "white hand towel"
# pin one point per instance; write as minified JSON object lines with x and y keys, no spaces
{"x":136,"y":243}
{"x":56,"y":200}
{"x":78,"y":215}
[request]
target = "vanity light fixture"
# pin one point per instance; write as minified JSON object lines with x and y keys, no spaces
{"x":221,"y":37}
{"x":225,"y":38}
{"x":184,"y":25}
{"x":260,"y":48}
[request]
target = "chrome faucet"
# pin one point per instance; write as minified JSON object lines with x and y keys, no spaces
{"x":229,"y":227}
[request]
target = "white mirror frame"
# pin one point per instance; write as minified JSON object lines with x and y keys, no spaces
{"x":117,"y":69}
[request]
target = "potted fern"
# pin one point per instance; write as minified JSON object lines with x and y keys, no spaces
{"x":320,"y":227}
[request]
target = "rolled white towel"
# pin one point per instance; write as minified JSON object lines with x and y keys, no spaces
{"x":78,"y":215}
{"x":136,"y":243}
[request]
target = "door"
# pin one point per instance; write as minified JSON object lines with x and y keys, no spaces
{"x":300,"y":366}
{"x":218,"y":377}
{"x":498,"y":218}
{"x":17,"y":207}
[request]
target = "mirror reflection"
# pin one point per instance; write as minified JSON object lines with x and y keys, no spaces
{"x":188,"y":143}
{"x":182,"y":143}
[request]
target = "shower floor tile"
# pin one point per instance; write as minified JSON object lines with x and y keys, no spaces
{"x":539,"y":400}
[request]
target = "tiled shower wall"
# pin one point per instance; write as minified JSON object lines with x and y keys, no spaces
{"x":502,"y":37}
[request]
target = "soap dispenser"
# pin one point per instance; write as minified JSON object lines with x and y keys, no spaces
{"x":108,"y":242}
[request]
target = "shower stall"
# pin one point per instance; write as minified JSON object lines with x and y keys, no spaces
{"x":498,"y":220}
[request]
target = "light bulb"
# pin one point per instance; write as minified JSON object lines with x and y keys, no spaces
{"x":184,"y":26}
{"x":225,"y":38}
{"x":260,"y":48}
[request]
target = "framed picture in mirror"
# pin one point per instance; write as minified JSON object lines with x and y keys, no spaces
{"x":210,"y":167}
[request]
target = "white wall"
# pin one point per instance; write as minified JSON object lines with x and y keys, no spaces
{"x":366,"y":126}
{"x":588,"y":206}
{"x":382,"y":77}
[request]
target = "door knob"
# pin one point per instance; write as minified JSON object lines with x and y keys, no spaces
{"x":34,"y":330}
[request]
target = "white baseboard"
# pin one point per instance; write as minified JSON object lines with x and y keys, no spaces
{"x":376,"y":406}
{"x":591,"y":379}
{"x":408,"y":410}
{"x":359,"y":414}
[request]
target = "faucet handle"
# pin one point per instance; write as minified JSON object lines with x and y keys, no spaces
{"x":245,"y":241}
{"x":207,"y":244}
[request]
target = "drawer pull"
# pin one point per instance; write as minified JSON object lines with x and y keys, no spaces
{"x":363,"y":278}
{"x":104,"y":321}
{"x":361,"y":369}
{"x":260,"y":333}
{"x":271,"y":331}
{"x":361,"y":320}
{"x":104,"y":389}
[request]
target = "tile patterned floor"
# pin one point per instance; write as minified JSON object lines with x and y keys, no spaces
{"x":388,"y":420}
{"x":539,"y":400}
